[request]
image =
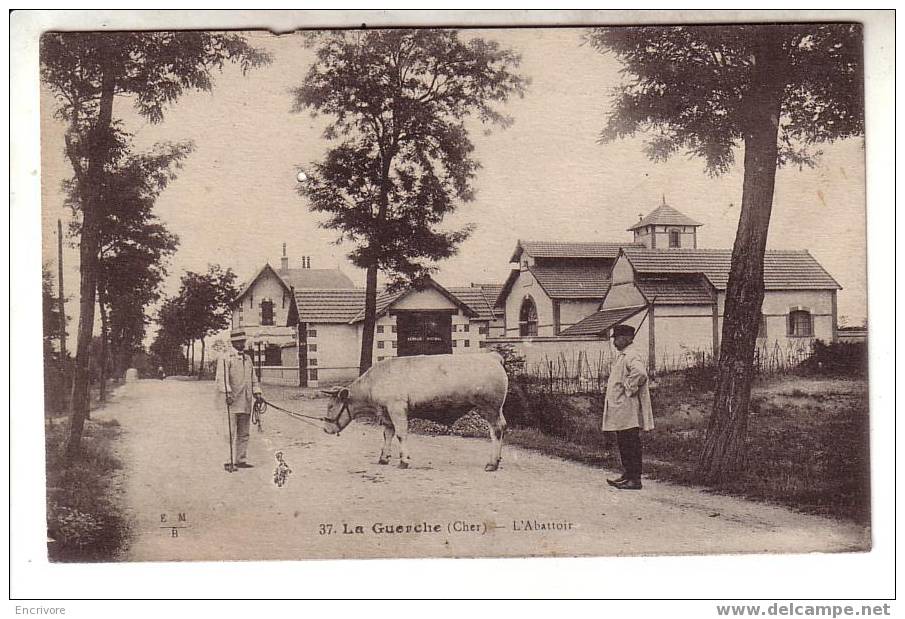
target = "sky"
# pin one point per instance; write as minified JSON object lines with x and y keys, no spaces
{"x":544,"y":178}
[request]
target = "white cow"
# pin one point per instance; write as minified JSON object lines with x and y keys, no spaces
{"x":441,"y":388}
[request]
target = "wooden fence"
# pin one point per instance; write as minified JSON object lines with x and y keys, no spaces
{"x":579,"y":372}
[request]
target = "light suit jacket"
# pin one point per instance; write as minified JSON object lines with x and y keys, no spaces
{"x":627,"y":403}
{"x":241,"y":381}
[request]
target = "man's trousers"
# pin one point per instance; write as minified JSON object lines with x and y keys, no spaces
{"x":629,"y":442}
{"x":241,"y":423}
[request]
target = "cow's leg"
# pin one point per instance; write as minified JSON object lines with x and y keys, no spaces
{"x":497,"y":425}
{"x":399,"y":418}
{"x":388,"y":432}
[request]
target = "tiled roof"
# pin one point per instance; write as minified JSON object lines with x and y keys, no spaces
{"x":598,"y":322}
{"x":386,"y":299}
{"x":573,"y":282}
{"x":563,"y":249}
{"x":665,"y":215}
{"x":783,"y":269}
{"x":480,"y":298}
{"x":316,"y":278}
{"x":336,"y":305}
{"x":675,"y":289}
{"x":491,"y":291}
{"x":303,"y":278}
{"x":346,"y":305}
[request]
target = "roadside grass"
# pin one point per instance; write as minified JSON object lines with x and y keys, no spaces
{"x":807,"y":447}
{"x":85,"y":522}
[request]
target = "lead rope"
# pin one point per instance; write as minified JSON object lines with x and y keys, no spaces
{"x":260,"y":405}
{"x":293,"y":414}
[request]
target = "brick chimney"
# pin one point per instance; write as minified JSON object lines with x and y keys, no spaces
{"x":284,"y":261}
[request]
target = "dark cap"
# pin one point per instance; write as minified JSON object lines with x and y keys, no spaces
{"x":623,"y":330}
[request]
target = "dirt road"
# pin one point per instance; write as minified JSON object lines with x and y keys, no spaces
{"x":338,"y":502}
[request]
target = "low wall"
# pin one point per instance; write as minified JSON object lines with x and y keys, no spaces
{"x":279,"y":375}
{"x":326,"y":376}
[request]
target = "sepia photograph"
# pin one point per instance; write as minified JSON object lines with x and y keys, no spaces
{"x":455,"y":291}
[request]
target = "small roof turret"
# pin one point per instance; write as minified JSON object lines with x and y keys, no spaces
{"x":665,"y":215}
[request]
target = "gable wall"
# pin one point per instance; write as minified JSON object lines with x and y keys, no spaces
{"x":574,"y":311}
{"x":622,"y":271}
{"x":427,"y":299}
{"x":681,"y":334}
{"x":267,"y":286}
{"x":523,"y":286}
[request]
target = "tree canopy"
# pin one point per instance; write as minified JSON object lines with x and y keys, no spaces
{"x":134,"y":244}
{"x":689,"y":88}
{"x":397,"y":102}
{"x":199,"y":310}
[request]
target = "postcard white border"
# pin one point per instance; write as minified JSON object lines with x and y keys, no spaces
{"x":867,"y":575}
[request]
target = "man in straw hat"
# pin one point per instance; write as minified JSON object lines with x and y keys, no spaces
{"x":237,"y":379}
{"x":627,"y":407}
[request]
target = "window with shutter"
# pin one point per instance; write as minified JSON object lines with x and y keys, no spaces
{"x":800,"y":323}
{"x":267,"y":313}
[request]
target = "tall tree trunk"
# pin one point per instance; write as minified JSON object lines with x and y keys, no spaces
{"x":61,"y":298}
{"x":724,"y":446}
{"x":104,"y":350}
{"x":370,"y":321}
{"x":90,"y":193}
{"x":64,"y":356}
{"x":192,"y":368}
{"x":368,"y":327}
{"x":201,"y":368}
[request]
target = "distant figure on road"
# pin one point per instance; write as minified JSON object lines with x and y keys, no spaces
{"x":237,"y":381}
{"x":627,"y":407}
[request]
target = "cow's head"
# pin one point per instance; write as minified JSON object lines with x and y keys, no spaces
{"x":338,"y":413}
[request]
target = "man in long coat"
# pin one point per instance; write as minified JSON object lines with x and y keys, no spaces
{"x":627,"y":408}
{"x":236,"y":377}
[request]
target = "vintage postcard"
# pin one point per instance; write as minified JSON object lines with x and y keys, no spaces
{"x":432,"y":292}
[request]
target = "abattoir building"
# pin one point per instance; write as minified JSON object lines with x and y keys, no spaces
{"x":560,"y":299}
{"x":563,"y":297}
